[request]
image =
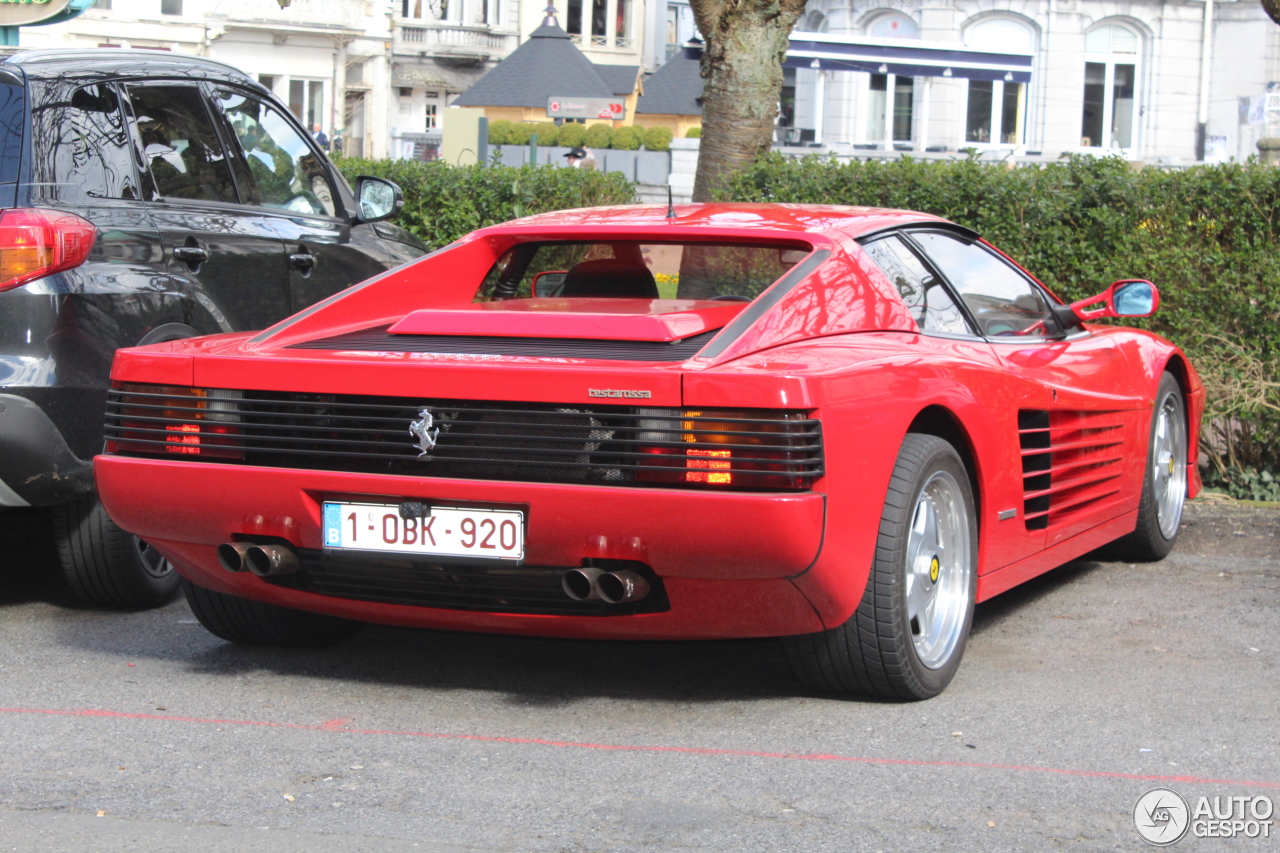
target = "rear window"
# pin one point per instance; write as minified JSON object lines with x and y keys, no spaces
{"x":13,"y":101}
{"x":633,"y":269}
{"x":81,"y":146}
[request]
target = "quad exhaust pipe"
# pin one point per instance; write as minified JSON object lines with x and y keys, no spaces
{"x":262,"y":560}
{"x":589,"y":583}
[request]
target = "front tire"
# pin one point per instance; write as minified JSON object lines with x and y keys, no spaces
{"x":907,"y":637}
{"x":1164,"y":483}
{"x":105,"y":566}
{"x":253,"y":623}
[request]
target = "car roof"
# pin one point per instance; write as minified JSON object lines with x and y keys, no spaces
{"x":115,"y":62}
{"x":856,"y":222}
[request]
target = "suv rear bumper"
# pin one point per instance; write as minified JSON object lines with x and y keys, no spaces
{"x":37,"y":467}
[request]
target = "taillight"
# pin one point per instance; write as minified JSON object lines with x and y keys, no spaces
{"x":728,"y":449}
{"x":36,"y":242}
{"x":171,"y":419}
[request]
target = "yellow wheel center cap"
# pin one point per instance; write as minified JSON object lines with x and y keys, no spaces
{"x":934,"y":568}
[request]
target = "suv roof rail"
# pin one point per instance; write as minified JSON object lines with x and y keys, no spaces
{"x":28,"y":57}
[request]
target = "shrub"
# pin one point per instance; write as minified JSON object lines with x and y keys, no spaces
{"x":658,"y":138}
{"x":444,"y":202}
{"x":572,"y":134}
{"x":598,"y":136}
{"x":693,"y":133}
{"x":520,"y":132}
{"x":628,"y":138}
{"x":500,"y":132}
{"x":1205,"y":235}
{"x":548,"y":133}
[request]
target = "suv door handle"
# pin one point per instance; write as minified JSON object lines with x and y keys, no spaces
{"x":191,"y":254}
{"x":302,"y":260}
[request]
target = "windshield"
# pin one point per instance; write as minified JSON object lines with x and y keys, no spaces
{"x":636,"y":270}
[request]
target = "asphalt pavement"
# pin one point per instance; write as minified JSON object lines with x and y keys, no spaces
{"x":1079,"y":692}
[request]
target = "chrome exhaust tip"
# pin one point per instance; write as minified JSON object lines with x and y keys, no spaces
{"x":267,"y":560}
{"x":580,"y":584}
{"x":231,"y":556}
{"x":621,"y":587}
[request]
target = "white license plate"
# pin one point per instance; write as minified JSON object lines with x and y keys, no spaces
{"x":448,"y":531}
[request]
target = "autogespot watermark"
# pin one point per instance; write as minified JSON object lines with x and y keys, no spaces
{"x":1164,"y":817}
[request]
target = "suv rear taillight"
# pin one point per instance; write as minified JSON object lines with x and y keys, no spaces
{"x":36,"y":242}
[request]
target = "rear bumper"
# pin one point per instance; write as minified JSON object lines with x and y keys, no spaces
{"x":725,"y":559}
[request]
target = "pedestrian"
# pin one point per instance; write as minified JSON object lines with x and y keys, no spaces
{"x":318,"y":135}
{"x":580,"y":158}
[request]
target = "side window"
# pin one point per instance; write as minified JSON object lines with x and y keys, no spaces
{"x":285,"y":171}
{"x":1001,"y":299}
{"x":179,"y":143}
{"x":81,"y":144}
{"x":926,"y":297}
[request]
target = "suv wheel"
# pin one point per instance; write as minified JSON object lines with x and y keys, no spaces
{"x":104,"y":565}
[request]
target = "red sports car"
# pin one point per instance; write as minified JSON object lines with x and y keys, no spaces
{"x":839,"y":426}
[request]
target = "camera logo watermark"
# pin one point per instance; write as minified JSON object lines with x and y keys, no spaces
{"x":1163,"y":817}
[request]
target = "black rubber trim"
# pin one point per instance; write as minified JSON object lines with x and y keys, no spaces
{"x":919,"y":226}
{"x":763,"y":303}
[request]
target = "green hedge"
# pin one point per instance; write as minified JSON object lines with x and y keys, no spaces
{"x":443,"y":202}
{"x":1207,"y":236}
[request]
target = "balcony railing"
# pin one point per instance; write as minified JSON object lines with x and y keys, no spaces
{"x":446,"y":37}
{"x":605,"y":42}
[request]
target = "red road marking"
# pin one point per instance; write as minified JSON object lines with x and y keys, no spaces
{"x":339,"y":726}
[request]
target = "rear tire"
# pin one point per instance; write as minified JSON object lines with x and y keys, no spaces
{"x":907,"y":637}
{"x":105,"y":566}
{"x":1164,"y":483}
{"x":253,"y":623}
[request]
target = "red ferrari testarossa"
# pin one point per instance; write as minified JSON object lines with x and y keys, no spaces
{"x":839,"y":426}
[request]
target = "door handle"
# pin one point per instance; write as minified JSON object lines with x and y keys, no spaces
{"x":191,"y":254}
{"x":302,"y":260}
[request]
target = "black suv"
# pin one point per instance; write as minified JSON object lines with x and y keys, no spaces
{"x":146,"y":197}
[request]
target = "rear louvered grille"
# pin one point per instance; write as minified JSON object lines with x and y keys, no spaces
{"x":1070,"y":462}
{"x":617,"y":445}
{"x":378,"y":339}
{"x":501,"y":589}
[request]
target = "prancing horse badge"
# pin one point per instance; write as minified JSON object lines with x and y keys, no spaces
{"x":422,"y":431}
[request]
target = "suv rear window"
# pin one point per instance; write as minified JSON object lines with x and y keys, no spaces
{"x":13,"y":100}
{"x":81,"y":144}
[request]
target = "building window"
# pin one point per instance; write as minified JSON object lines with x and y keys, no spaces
{"x":170,"y":7}
{"x":306,"y":101}
{"x":996,"y":110}
{"x":994,"y":114}
{"x":573,"y":18}
{"x":1110,"y":88}
{"x":432,"y":117}
{"x":902,"y":107}
{"x":598,"y":19}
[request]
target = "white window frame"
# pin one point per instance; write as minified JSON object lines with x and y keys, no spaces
{"x":1109,"y":61}
{"x":997,"y":118}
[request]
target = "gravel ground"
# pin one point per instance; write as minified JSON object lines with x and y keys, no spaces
{"x":1079,"y":692}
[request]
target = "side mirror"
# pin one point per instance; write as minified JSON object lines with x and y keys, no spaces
{"x":377,"y":199}
{"x":549,"y":283}
{"x":1125,"y":298}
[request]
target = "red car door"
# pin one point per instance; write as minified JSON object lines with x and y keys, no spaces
{"x":1080,"y":431}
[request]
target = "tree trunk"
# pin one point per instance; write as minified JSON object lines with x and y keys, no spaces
{"x":1272,"y":8}
{"x":746,"y":41}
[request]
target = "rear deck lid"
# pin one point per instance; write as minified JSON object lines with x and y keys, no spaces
{"x":606,"y":319}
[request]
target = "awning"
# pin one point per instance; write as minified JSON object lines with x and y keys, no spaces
{"x":430,"y":75}
{"x":906,"y":57}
